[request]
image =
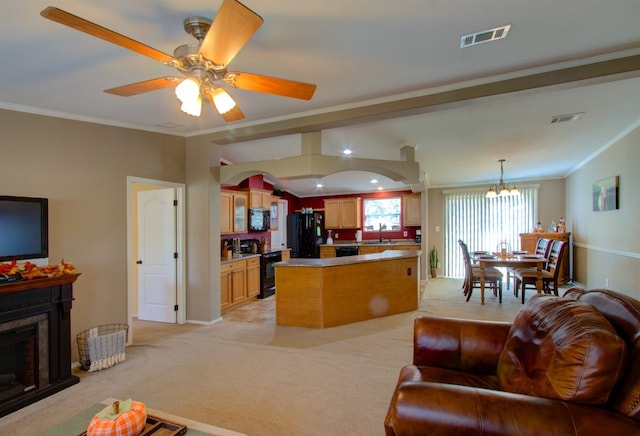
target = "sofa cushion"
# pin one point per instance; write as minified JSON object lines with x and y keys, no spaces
{"x":563,"y":349}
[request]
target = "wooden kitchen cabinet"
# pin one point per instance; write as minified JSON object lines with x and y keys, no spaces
{"x":273,"y":216}
{"x":239,"y":281}
{"x":327,"y":251}
{"x":528,"y":243}
{"x":411,"y":209}
{"x":233,"y":212}
{"x":259,"y":199}
{"x":253,"y":277}
{"x":369,"y":249}
{"x":343,"y":213}
{"x":232,"y":283}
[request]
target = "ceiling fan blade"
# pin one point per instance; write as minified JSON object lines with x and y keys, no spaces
{"x":234,"y":114}
{"x":75,"y":22}
{"x":231,"y":29}
{"x":144,"y":86}
{"x":270,"y":85}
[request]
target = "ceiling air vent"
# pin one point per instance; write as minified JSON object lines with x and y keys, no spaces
{"x":565,"y":118}
{"x":485,"y":36}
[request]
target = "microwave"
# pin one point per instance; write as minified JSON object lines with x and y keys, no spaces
{"x":259,"y":220}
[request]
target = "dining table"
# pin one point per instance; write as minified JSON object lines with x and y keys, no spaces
{"x":515,"y":259}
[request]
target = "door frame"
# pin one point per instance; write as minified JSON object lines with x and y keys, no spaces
{"x":180,"y":245}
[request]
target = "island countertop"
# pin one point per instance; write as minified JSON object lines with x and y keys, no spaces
{"x":348,"y":260}
{"x":329,"y":292}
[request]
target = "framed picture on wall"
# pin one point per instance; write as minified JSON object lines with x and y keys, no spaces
{"x":605,"y":194}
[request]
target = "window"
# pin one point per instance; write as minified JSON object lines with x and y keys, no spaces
{"x":483,"y":223}
{"x":382,"y":214}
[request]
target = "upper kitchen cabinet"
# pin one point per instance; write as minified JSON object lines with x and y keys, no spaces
{"x":233,"y":212}
{"x":343,"y":213}
{"x":273,"y":216}
{"x":259,"y":199}
{"x":411,"y":208}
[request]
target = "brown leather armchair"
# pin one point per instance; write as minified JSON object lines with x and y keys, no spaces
{"x":566,"y":365}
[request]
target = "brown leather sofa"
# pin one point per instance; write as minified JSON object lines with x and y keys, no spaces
{"x":566,"y":365}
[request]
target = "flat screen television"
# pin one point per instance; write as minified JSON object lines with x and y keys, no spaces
{"x":24,"y":228}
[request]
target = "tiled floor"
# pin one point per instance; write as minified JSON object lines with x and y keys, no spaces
{"x":261,"y":311}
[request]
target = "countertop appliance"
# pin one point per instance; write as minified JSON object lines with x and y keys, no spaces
{"x":418,"y":235}
{"x":268,"y":273}
{"x":305,"y":234}
{"x":347,"y":250}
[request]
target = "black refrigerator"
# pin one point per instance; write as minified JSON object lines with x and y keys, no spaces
{"x":305,"y":233}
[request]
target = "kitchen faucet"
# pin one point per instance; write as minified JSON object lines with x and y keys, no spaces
{"x":382,"y":227}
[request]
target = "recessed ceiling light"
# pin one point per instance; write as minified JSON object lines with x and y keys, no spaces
{"x":380,"y":188}
{"x":346,"y":152}
{"x":484,"y":36}
{"x":319,"y":185}
{"x":374,"y":180}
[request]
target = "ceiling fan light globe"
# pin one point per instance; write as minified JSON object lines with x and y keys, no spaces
{"x":192,"y":107}
{"x":188,"y":90}
{"x":223,"y":101}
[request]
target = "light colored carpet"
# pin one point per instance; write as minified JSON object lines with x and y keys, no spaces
{"x":264,"y":379}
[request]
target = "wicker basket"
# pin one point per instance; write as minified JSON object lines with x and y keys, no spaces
{"x":105,"y":329}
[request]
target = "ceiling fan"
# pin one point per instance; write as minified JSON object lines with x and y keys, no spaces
{"x":204,"y":64}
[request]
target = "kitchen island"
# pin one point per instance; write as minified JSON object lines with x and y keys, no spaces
{"x":321,"y":293}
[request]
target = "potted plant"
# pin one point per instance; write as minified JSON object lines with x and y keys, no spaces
{"x":433,"y":261}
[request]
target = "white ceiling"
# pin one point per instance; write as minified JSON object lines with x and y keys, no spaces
{"x":359,"y":53}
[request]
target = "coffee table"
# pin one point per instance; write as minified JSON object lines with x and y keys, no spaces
{"x":78,"y":423}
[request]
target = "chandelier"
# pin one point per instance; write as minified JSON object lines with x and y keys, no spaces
{"x":502,"y":189}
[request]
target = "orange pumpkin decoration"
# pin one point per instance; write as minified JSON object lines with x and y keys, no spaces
{"x":116,"y":423}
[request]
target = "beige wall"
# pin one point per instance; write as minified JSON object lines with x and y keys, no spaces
{"x":203,"y":231}
{"x":551,"y":206}
{"x":607,"y":244}
{"x":82,"y":169}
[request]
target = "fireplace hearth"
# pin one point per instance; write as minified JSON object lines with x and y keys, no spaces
{"x":35,"y":340}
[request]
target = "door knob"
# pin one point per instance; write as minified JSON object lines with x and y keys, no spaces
{"x":139,"y":262}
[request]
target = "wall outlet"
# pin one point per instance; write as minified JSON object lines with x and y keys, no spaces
{"x":405,"y":233}
{"x":606,"y":283}
{"x":437,"y":229}
{"x":336,"y":236}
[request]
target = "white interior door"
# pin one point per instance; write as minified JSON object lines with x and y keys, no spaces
{"x":157,"y":287}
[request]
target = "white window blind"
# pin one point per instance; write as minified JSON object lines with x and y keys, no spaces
{"x":484,"y":223}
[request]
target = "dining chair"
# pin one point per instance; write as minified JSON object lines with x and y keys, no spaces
{"x":543,"y":247}
{"x":549,"y":275}
{"x":493,"y":277}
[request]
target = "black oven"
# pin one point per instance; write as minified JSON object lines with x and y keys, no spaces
{"x":268,"y":273}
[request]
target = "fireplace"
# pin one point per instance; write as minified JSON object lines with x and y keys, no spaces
{"x":24,"y":347}
{"x":35,"y":340}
